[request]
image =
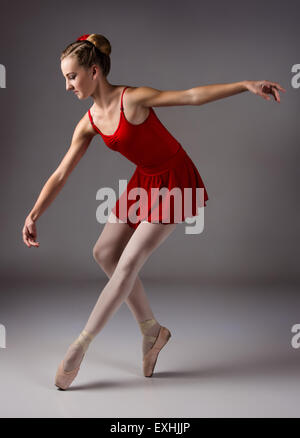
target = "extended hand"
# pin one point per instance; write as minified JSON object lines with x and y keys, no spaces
{"x":263,"y":88}
{"x":29,"y":233}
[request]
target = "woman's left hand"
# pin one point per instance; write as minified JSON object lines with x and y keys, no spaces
{"x":263,"y":88}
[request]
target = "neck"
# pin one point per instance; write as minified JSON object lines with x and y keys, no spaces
{"x":104,"y":96}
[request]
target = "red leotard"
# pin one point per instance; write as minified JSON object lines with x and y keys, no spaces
{"x":161,"y":163}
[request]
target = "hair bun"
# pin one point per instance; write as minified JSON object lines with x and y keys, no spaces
{"x":101,"y":42}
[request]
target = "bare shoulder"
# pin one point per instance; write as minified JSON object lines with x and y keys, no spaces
{"x":135,"y":96}
{"x":84,"y":127}
{"x":136,"y":100}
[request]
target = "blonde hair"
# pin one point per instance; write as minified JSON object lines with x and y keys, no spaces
{"x":93,"y":50}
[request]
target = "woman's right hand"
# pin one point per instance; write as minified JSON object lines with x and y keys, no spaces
{"x":29,"y":233}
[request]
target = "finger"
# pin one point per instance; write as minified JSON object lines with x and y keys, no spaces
{"x":279,"y":87}
{"x":275,"y":93}
{"x":25,"y":239}
{"x":32,"y":238}
{"x":272,"y":91}
{"x":29,"y":239}
{"x":277,"y":96}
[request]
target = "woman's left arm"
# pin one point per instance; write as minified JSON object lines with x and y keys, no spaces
{"x":148,"y":97}
{"x":209,"y":93}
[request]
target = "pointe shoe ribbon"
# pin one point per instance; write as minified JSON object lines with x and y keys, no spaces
{"x":150,"y":358}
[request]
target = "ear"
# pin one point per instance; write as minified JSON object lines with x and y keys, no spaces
{"x":95,"y":70}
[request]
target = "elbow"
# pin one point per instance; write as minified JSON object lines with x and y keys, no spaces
{"x":60,"y":176}
{"x":193,"y":97}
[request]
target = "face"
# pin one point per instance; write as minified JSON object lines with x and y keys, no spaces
{"x":78,"y":79}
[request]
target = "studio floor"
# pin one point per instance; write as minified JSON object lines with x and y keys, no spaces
{"x":230,"y":354}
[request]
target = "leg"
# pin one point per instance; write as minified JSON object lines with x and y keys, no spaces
{"x":145,"y":239}
{"x":107,"y":252}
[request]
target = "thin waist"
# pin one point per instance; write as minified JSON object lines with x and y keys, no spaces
{"x":159,"y":168}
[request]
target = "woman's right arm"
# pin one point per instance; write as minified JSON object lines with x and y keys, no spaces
{"x":81,"y":139}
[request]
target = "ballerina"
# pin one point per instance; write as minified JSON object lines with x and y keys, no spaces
{"x":130,"y":126}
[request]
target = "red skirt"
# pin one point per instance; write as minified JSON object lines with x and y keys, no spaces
{"x":166,"y":193}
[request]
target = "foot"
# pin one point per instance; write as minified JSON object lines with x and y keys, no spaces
{"x":73,"y":357}
{"x":77,"y":350}
{"x":150,"y":337}
{"x":149,"y":360}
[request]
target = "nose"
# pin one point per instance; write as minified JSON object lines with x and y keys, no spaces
{"x":68,"y":86}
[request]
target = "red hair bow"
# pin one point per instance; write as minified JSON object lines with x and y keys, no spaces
{"x":83,"y":37}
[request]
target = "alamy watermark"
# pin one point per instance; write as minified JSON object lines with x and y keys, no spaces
{"x":2,"y":336}
{"x":182,"y":202}
{"x":295,"y":81}
{"x":295,"y":341}
{"x":2,"y":76}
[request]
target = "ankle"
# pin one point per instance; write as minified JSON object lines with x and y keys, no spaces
{"x":84,"y":340}
{"x":149,"y":326}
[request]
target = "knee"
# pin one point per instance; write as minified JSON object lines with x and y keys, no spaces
{"x":129,"y":265}
{"x":105,"y":257}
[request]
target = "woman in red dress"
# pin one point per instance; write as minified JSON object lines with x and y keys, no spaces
{"x":137,"y":225}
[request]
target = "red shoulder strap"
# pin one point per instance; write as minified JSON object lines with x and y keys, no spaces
{"x":91,"y":120}
{"x":122,"y":99}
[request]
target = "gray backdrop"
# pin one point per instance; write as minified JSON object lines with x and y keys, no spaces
{"x":245,"y":148}
{"x":229,"y":295}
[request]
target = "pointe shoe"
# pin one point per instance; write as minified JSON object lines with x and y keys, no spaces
{"x":150,"y":358}
{"x":63,"y":379}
